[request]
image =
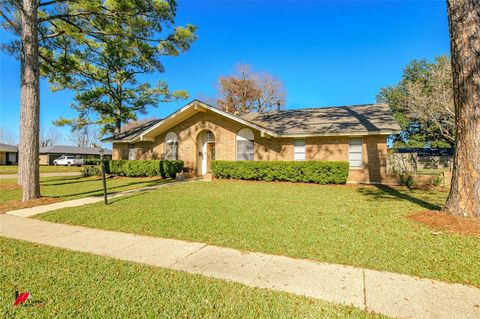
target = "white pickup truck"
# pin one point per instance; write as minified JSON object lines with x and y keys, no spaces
{"x":68,"y":161}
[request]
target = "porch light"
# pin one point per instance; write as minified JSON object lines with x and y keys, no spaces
{"x":210,"y":137}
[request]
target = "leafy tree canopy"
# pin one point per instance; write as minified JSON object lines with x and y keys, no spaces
{"x":422,"y":103}
{"x":98,"y":48}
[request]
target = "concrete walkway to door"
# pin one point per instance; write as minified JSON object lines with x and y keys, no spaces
{"x":391,"y":294}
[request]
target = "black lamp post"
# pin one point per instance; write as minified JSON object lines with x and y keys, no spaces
{"x":102,"y":152}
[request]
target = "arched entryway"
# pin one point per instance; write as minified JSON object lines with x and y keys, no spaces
{"x":206,"y":151}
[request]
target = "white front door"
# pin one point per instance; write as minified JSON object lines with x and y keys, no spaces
{"x":206,"y":152}
{"x":208,"y":155}
{"x":204,"y":158}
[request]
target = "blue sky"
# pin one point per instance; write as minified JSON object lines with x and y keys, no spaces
{"x":326,"y":53}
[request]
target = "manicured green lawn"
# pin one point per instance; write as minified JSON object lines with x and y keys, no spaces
{"x":360,"y":226}
{"x":67,"y":284}
{"x":71,"y":187}
{"x":13,"y":169}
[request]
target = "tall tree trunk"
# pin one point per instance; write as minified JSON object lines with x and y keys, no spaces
{"x":118,"y":126}
{"x":29,"y":103}
{"x":20,"y":161}
{"x":464,"y":21}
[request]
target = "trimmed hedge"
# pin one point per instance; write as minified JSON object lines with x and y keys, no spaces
{"x":91,"y":170}
{"x":320,"y":172}
{"x":115,"y":167}
{"x":139,"y":168}
{"x":91,"y":161}
{"x":171,"y":167}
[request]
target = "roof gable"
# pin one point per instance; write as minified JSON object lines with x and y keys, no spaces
{"x":133,"y":132}
{"x":148,"y":134}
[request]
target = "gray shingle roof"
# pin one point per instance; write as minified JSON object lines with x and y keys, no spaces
{"x":327,"y":120}
{"x":337,"y":120}
{"x":66,"y":149}
{"x":132,"y":133}
{"x":8,"y":148}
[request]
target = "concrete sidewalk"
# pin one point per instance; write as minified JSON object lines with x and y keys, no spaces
{"x":32,"y":211}
{"x":53,"y":174}
{"x":382,"y":292}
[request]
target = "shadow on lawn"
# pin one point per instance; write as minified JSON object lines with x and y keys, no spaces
{"x":99,"y":191}
{"x":65,"y":179}
{"x":387,"y":192}
{"x":137,"y":194}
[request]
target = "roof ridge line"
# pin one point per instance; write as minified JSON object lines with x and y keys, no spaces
{"x":321,"y":107}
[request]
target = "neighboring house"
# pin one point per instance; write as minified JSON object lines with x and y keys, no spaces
{"x":50,"y":153}
{"x":199,"y":133}
{"x":8,"y":154}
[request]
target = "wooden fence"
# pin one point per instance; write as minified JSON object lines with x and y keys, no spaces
{"x":413,"y":163}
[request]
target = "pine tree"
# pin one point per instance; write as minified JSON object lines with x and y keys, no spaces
{"x":67,"y":40}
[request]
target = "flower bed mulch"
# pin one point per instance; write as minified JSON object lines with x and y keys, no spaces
{"x":445,"y":222}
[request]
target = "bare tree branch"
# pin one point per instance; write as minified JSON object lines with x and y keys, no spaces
{"x":247,"y":91}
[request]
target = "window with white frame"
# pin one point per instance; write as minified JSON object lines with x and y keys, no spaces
{"x":299,"y":150}
{"x":171,"y":146}
{"x":245,"y":142}
{"x":355,"y":151}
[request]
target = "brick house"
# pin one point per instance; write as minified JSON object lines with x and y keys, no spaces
{"x":199,"y":133}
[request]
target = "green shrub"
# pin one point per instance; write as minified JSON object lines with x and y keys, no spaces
{"x":139,"y":168}
{"x":171,"y":167}
{"x":91,"y":170}
{"x":437,"y":180}
{"x":134,"y":168}
{"x":320,"y":172}
{"x":407,"y":180}
{"x":91,"y":161}
{"x":116,"y":167}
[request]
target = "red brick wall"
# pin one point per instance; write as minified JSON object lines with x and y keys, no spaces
{"x":265,"y":148}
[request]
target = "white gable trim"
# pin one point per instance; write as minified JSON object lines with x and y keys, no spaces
{"x":200,"y":106}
